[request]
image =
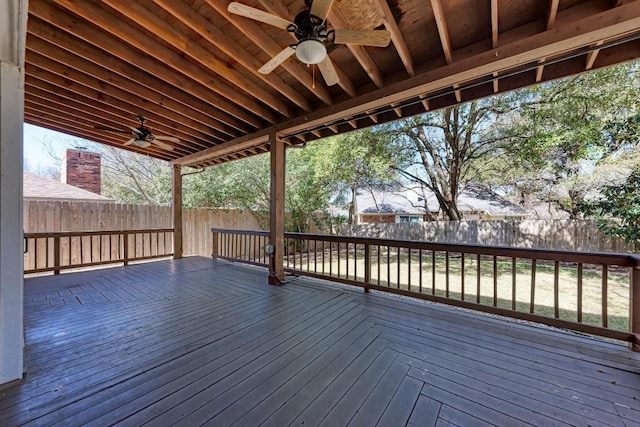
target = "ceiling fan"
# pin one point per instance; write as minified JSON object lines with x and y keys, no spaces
{"x":142,"y":136}
{"x":309,"y":27}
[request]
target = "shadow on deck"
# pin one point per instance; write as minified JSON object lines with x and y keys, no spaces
{"x":197,"y":341}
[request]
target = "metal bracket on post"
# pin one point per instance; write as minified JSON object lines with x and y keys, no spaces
{"x":274,"y":280}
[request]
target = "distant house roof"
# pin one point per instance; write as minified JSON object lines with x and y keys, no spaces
{"x":40,"y":188}
{"x":401,"y":200}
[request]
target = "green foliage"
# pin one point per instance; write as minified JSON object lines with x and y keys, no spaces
{"x":618,"y":211}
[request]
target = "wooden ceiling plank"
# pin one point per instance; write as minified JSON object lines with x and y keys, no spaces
{"x":150,"y":64}
{"x":613,"y":23}
{"x":279,"y":9}
{"x":107,"y":103}
{"x":187,"y":125}
{"x":71,"y":127}
{"x":396,"y":35}
{"x":232,"y":114}
{"x":130,"y":34}
{"x":265,"y":42}
{"x":217,"y":38}
{"x":125,"y":75}
{"x":359,"y":52}
{"x":56,"y":111}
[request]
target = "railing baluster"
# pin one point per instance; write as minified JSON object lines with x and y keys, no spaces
{"x":367,"y":265}
{"x":556,"y":289}
{"x":462,"y":275}
{"x":433,"y":272}
{"x":513,"y":283}
{"x":339,"y":259}
{"x":579,"y":302}
{"x":478,"y":277}
{"x":125,"y":237}
{"x":446,"y":272}
{"x":346,"y":256}
{"x":605,"y":296}
{"x":533,"y":286}
{"x":398,"y":269}
{"x":388,"y":266}
{"x":355,"y":261}
{"x":420,"y":271}
{"x":323,"y":262}
{"x":409,"y":271}
{"x":495,"y":281}
{"x":378,"y":261}
{"x":315,"y":256}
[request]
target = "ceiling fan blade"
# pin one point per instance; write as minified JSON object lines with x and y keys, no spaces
{"x":258,"y":15}
{"x":167,"y":138}
{"x":328,"y":71}
{"x":129,"y":142}
{"x":320,"y":8}
{"x":135,"y":131}
{"x":112,"y":130}
{"x":378,"y":38}
{"x":277,"y":60}
{"x":161,"y":144}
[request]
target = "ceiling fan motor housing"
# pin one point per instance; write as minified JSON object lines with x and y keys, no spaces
{"x":311,"y":33}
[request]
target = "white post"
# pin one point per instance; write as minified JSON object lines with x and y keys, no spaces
{"x":13,"y":19}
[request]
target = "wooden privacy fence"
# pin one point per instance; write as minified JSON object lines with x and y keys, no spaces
{"x":65,"y":216}
{"x":596,"y":293}
{"x":565,"y":234}
{"x":64,"y":250}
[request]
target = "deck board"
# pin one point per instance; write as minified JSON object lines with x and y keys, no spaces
{"x":203,"y":342}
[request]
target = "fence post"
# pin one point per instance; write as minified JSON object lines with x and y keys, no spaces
{"x":214,"y":244}
{"x":125,"y":240}
{"x":367,"y":266}
{"x":634,"y":311}
{"x":56,"y":255}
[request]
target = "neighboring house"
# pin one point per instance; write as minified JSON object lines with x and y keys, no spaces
{"x":398,"y":204}
{"x":41,"y":188}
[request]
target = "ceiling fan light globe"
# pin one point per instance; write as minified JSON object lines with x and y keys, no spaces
{"x":142,"y":144}
{"x":311,"y":51}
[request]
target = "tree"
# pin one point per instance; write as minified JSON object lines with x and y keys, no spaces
{"x":571,"y":133}
{"x":361,"y":158}
{"x":444,"y":150}
{"x":618,"y":210}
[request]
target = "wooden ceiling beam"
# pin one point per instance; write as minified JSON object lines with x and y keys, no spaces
{"x":396,"y":35}
{"x":250,"y":96}
{"x":153,"y":64}
{"x":125,"y":76}
{"x":190,"y":18}
{"x":443,"y":32}
{"x":265,"y":42}
{"x":186,"y":125}
{"x":359,"y":52}
{"x":552,"y":14}
{"x":279,"y":9}
{"x":106,"y":103}
{"x":495,"y":30}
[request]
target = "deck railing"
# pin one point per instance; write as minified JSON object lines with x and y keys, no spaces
{"x":58,"y":251}
{"x":595,"y":293}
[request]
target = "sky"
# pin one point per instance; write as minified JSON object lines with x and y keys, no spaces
{"x":35,"y":152}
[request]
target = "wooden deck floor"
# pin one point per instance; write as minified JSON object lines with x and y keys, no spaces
{"x":197,"y":341}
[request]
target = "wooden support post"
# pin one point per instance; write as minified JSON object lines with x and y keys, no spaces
{"x":13,"y":20}
{"x":634,"y":311}
{"x":125,"y":240}
{"x":276,"y":228}
{"x":176,"y":210}
{"x":214,"y":244}
{"x":56,"y":255}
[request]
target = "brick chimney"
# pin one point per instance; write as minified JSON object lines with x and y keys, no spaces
{"x":81,"y":169}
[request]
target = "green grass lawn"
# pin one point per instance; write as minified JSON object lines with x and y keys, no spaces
{"x":407,"y":277}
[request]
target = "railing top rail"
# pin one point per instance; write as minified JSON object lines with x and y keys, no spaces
{"x":95,"y":232}
{"x":601,"y":258}
{"x":235,"y":231}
